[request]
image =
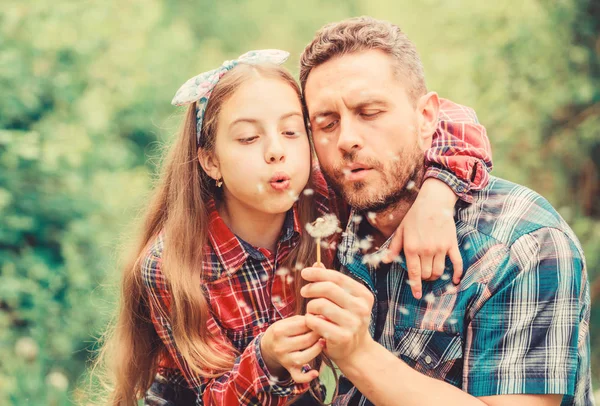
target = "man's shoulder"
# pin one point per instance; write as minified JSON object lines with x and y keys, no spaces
{"x":505,"y":211}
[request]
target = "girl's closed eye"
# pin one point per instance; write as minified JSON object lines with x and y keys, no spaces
{"x":248,"y":140}
{"x":292,"y":133}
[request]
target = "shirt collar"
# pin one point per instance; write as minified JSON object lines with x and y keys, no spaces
{"x":231,"y":251}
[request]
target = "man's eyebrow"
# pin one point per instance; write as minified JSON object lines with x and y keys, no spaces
{"x":321,"y":114}
{"x":368,"y":102}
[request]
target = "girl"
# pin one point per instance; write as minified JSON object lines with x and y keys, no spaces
{"x":208,"y":297}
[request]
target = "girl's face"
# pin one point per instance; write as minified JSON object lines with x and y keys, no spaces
{"x":262,"y":151}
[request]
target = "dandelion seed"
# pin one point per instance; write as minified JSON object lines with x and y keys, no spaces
{"x":429,"y":298}
{"x":356,"y":219}
{"x":467,"y":245}
{"x":391,"y":217}
{"x":448,"y":212}
{"x":293,"y":195}
{"x":366,"y":243}
{"x":404,"y":310}
{"x":260,"y":187}
{"x":324,"y":141}
{"x":289,"y":279}
{"x":282,"y":271}
{"x":445,"y":277}
{"x":26,"y":348}
{"x":410,"y":185}
{"x":346,"y":171}
{"x":264,"y":277}
{"x":299,"y":266}
{"x":452,"y":321}
{"x":373,"y":259}
{"x":451,"y":289}
{"x":410,"y":283}
{"x":308,"y":192}
{"x":372,"y":216}
{"x":57,"y":380}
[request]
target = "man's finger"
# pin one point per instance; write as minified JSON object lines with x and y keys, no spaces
{"x":328,"y":290}
{"x":329,"y":275}
{"x":413,"y":263}
{"x":325,"y":328}
{"x":457,"y":263}
{"x":395,"y":246}
{"x":330,"y":311}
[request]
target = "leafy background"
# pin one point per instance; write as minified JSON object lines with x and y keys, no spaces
{"x":84,"y":108}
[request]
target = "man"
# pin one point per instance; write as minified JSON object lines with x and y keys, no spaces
{"x":515,"y":331}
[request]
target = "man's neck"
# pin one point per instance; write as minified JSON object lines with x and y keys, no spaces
{"x":386,"y":222}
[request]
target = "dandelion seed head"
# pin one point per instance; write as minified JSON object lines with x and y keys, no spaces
{"x":410,"y":185}
{"x":323,"y":227}
{"x":308,"y":192}
{"x":429,"y":298}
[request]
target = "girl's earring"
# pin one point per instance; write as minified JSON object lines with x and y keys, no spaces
{"x":219,"y":182}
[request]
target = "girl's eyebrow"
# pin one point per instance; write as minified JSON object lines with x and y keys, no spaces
{"x":254,"y":121}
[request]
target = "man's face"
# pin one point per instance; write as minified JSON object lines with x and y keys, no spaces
{"x":366,"y":130}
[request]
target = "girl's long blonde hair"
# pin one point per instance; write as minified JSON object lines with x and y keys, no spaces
{"x":131,"y":350}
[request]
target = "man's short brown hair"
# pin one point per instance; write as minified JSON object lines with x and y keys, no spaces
{"x":363,"y":34}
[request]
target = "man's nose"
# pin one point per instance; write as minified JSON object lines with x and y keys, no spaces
{"x":349,"y":139}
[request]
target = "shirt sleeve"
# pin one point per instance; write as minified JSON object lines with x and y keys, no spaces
{"x":530,"y":335}
{"x":247,"y":383}
{"x":460,"y":153}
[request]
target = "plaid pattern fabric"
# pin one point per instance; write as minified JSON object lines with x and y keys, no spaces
{"x":518,"y":322}
{"x":460,"y":153}
{"x":238,"y":277}
{"x":245,"y":295}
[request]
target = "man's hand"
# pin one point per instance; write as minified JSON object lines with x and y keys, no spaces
{"x":427,"y":234}
{"x":340,"y":311}
{"x":289,"y":344}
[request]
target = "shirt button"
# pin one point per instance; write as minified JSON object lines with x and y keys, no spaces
{"x":427,"y":359}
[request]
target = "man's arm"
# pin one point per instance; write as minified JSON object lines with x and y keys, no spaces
{"x":522,"y":344}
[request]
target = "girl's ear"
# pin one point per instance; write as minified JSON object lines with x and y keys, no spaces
{"x":209,"y":163}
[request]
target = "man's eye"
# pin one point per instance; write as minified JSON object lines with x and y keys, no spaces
{"x":330,"y":125}
{"x":370,"y":114}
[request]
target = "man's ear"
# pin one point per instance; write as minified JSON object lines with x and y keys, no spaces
{"x":209,"y":163}
{"x":428,"y":108}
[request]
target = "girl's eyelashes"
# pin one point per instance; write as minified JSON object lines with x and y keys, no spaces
{"x":248,"y":140}
{"x":292,"y":133}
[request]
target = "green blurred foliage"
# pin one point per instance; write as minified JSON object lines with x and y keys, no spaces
{"x":84,"y":102}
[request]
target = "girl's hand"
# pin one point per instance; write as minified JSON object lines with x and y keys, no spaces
{"x":289,"y":344}
{"x":427,"y":234}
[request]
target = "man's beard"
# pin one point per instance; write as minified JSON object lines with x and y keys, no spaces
{"x":399,"y":184}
